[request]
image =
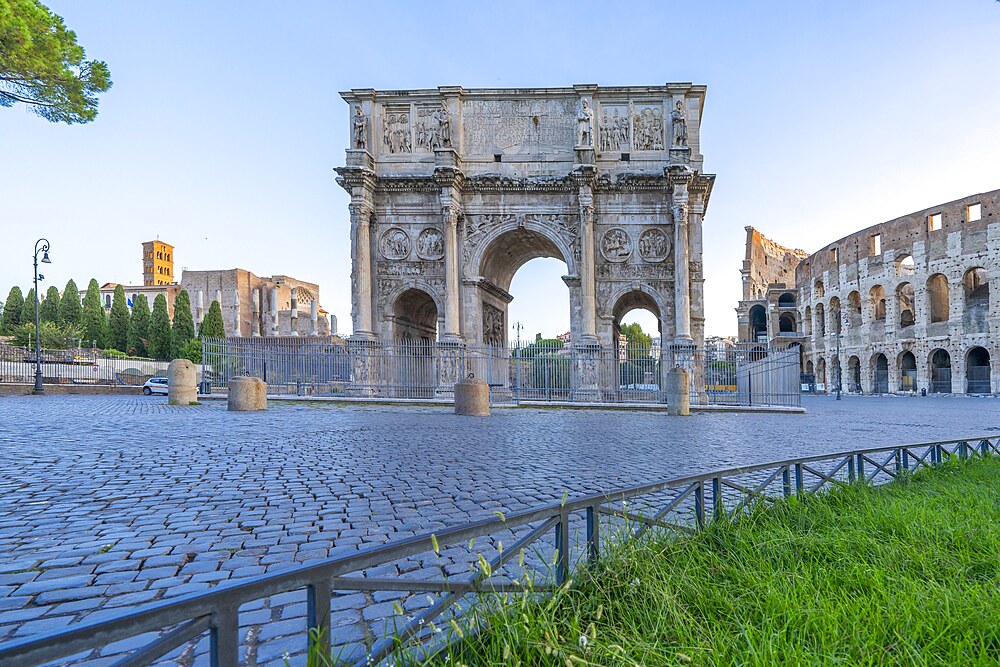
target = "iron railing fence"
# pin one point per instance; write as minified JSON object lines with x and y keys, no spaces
{"x":493,"y":549}
{"x":521,"y":372}
{"x":76,"y":366}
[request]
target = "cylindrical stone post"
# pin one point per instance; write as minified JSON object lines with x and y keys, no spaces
{"x":247,"y":394}
{"x":472,"y":398}
{"x":295,"y":312}
{"x":333,"y":325}
{"x":314,"y":317}
{"x":678,"y":392}
{"x":182,"y":382}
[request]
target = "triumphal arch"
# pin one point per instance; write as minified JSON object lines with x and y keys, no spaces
{"x":453,"y":189}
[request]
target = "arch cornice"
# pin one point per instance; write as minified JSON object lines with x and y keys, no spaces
{"x":473,"y":267}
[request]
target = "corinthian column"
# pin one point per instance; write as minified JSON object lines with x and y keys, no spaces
{"x":361,"y":214}
{"x":682,"y":271}
{"x":587,"y":280}
{"x":452,"y":328}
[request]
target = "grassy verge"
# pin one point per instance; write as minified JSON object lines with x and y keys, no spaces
{"x":907,"y":573}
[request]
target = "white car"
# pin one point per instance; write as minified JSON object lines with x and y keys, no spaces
{"x":155,"y":386}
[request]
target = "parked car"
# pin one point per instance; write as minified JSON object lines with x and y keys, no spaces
{"x":155,"y":386}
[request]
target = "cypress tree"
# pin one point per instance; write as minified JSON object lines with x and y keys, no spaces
{"x":118,"y":321}
{"x":159,"y":329}
{"x":213,"y":326}
{"x":49,"y":311}
{"x":28,"y":308}
{"x":182,"y":332}
{"x":138,"y":328}
{"x":94,"y":322}
{"x":12,"y":309}
{"x":70,"y":310}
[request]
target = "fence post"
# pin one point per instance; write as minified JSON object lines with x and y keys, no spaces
{"x":318,"y":615}
{"x":851,"y":473}
{"x":799,"y":482}
{"x":861,"y":468}
{"x":899,"y":461}
{"x":224,"y":647}
{"x":593,"y":536}
{"x":786,"y":481}
{"x":562,"y":548}
{"x":905,"y":456}
{"x":699,"y":504}
{"x":718,"y":504}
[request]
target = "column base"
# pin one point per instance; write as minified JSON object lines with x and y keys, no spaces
{"x":366,"y":377}
{"x":586,"y":389}
{"x":451,"y":366}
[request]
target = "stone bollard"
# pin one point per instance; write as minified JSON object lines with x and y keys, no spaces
{"x":247,"y":394}
{"x":678,"y":392}
{"x":472,"y":397}
{"x":182,"y":382}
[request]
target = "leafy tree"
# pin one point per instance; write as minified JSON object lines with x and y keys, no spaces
{"x":70,"y":310}
{"x":638,"y":342}
{"x":191,"y":351}
{"x":93,"y":322}
{"x":118,"y":321}
{"x":12,"y":309}
{"x":49,"y":311}
{"x":213,"y":326}
{"x":138,"y":328}
{"x":42,"y":66}
{"x":183,"y":328}
{"x":54,"y":337}
{"x":159,"y":329}
{"x":28,"y":308}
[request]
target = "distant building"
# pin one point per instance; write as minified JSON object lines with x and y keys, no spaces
{"x":767,"y":312}
{"x":132,"y":291}
{"x":565,"y":338}
{"x":157,"y":263}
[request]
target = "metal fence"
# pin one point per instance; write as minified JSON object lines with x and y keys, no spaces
{"x":494,"y":549}
{"x":76,"y":366}
{"x":539,"y":371}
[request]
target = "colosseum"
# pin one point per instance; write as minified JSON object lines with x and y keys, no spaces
{"x":905,"y":304}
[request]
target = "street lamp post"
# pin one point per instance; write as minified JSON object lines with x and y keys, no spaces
{"x":41,"y":246}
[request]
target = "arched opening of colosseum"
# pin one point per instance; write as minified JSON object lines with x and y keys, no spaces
{"x":809,"y":367}
{"x":977,"y":371}
{"x":905,"y":266}
{"x":414,"y":318}
{"x":821,"y":372}
{"x":640,"y":367}
{"x":818,"y":290}
{"x":880,"y":374}
{"x":786,"y":300}
{"x":820,"y":321}
{"x":807,"y":322}
{"x":904,"y":300}
{"x":522,"y":267}
{"x":835,"y":316}
{"x":854,"y":374}
{"x":854,"y":309}
{"x":786,"y":323}
{"x":977,"y":301}
{"x":758,"y":323}
{"x":940,"y":372}
{"x":907,"y":371}
{"x":876,"y":298}
{"x":937,"y":297}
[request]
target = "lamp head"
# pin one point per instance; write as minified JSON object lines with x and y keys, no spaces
{"x":45,"y":258}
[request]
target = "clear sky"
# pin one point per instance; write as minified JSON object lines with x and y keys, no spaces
{"x":224,"y":124}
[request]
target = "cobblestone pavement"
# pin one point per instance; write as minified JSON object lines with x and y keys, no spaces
{"x":112,"y":502}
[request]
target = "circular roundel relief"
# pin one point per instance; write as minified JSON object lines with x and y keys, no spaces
{"x":430,"y":244}
{"x":654,"y":245}
{"x":616,"y":246}
{"x":394,"y":244}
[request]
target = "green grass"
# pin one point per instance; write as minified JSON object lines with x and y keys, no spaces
{"x":907,"y":573}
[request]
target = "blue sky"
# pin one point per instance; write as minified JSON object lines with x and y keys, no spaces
{"x":224,"y":124}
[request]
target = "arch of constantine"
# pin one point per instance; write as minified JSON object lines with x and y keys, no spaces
{"x":453,"y":190}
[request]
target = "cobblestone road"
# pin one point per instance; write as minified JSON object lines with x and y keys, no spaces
{"x":111,"y":502}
